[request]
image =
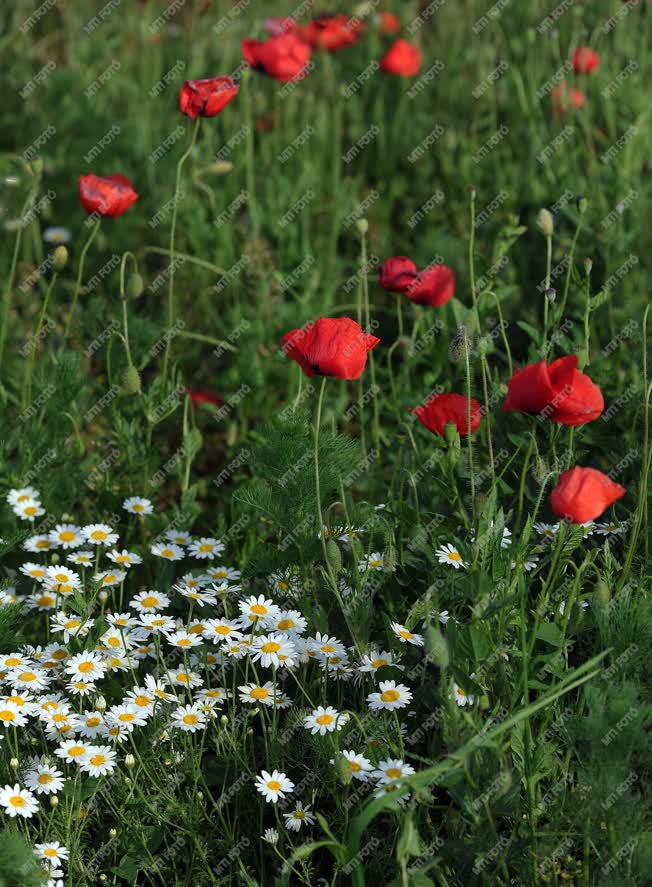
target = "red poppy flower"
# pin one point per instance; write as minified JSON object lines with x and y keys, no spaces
{"x":106,"y":195}
{"x":558,"y":392}
{"x":206,"y":98}
{"x":433,"y":287}
{"x":197,"y":398}
{"x":441,"y":409}
{"x":564,"y":99}
{"x":330,"y":347}
{"x":582,"y":494}
{"x":397,"y":274}
{"x":284,"y":58}
{"x":281,"y":25}
{"x":331,"y":33}
{"x":388,"y":23}
{"x":403,"y":59}
{"x":585,"y":60}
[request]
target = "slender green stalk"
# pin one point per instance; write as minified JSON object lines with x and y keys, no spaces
{"x":82,"y":259}
{"x":29,"y":368}
{"x":173,"y":226}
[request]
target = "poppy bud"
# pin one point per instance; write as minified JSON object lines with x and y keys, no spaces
{"x":588,"y":266}
{"x":131,"y":383}
{"x":200,"y":796}
{"x":450,"y":433}
{"x":103,"y":596}
{"x":582,"y":205}
{"x":437,"y":647}
{"x":54,"y":801}
{"x":113,"y":832}
{"x":459,"y":344}
{"x":539,"y":470}
{"x":546,"y":222}
{"x":130,"y":762}
{"x":135,"y":286}
{"x":55,"y":558}
{"x":224,"y":720}
{"x":344,"y":772}
{"x":333,"y":556}
{"x":59,"y":259}
{"x":14,"y":764}
{"x":551,"y":295}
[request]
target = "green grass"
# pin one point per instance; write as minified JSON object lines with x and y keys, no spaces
{"x":544,"y":779}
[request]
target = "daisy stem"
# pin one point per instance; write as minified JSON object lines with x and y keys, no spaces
{"x":173,"y":226}
{"x":80,"y":272}
{"x":29,"y":368}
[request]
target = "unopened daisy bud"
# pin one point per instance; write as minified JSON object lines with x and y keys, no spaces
{"x":362,"y":225}
{"x":224,"y":720}
{"x":14,"y":764}
{"x":200,"y":796}
{"x":334,"y":556}
{"x":131,"y":381}
{"x":551,"y":295}
{"x":59,"y":259}
{"x":344,"y":772}
{"x":100,"y":704}
{"x":220,"y":167}
{"x":103,"y":596}
{"x":135,"y":286}
{"x":54,"y":801}
{"x":130,"y":762}
{"x":255,"y":711}
{"x":54,"y":558}
{"x":102,"y":877}
{"x":588,"y":265}
{"x":250,"y":731}
{"x":113,"y":832}
{"x":546,"y":222}
{"x":582,"y":205}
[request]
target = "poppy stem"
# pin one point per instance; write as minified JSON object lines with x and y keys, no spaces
{"x":29,"y":368}
{"x":82,"y":258}
{"x":320,"y":520}
{"x":173,"y":225}
{"x":569,"y":269}
{"x":546,"y":300}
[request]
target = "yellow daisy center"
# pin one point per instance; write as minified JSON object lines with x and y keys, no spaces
{"x":390,"y":696}
{"x":190,"y":720}
{"x":270,"y":647}
{"x":393,"y":773}
{"x":259,"y":693}
{"x":323,"y":720}
{"x":149,"y":601}
{"x":273,"y":785}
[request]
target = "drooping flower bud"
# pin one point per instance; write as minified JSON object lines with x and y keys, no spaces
{"x":546,"y":222}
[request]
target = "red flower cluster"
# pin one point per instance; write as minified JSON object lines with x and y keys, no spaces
{"x":330,"y":347}
{"x":403,"y":59}
{"x":331,"y":33}
{"x":434,"y":287}
{"x":583,"y":494}
{"x":585,"y":60}
{"x":283,"y":58}
{"x":106,"y":195}
{"x":558,"y":392}
{"x":206,"y":98}
{"x":442,"y":409}
{"x":565,"y":99}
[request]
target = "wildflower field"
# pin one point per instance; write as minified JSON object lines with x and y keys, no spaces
{"x":325,"y":450}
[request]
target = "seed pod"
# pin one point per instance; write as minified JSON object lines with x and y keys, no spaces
{"x":131,"y":383}
{"x":333,"y":556}
{"x":135,"y":286}
{"x":59,"y":258}
{"x":459,"y":344}
{"x":546,"y":222}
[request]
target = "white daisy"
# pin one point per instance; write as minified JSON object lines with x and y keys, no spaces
{"x":17,"y":801}
{"x":73,"y":751}
{"x":179,"y":537}
{"x":359,"y":766}
{"x":61,"y":579}
{"x":291,"y":622}
{"x":99,"y":761}
{"x":270,"y":836}
{"x":126,"y":717}
{"x":298,"y":817}
{"x":124,"y":558}
{"x":86,"y":666}
{"x":610,"y":529}
{"x":184,"y":640}
{"x":149,"y":601}
{"x":274,"y":649}
{"x":185,"y":678}
{"x":548,"y":531}
{"x":169,"y":551}
{"x":223,"y":574}
{"x":90,"y":724}
{"x":258,"y":610}
{"x":82,"y":558}
{"x":109,"y":578}
{"x":461,"y":697}
{"x":44,"y":780}
{"x":391,"y":696}
{"x":406,"y":636}
{"x":37,"y":543}
{"x":220,"y":630}
{"x":136,"y":505}
{"x":257,"y":693}
{"x":375,"y":561}
{"x":99,"y":534}
{"x":206,"y":548}
{"x":273,"y":785}
{"x":374,"y":660}
{"x":53,"y":853}
{"x":448,"y":554}
{"x":15,"y":497}
{"x":189,"y":718}
{"x":391,"y":770}
{"x":325,"y":720}
{"x":444,"y":617}
{"x":66,"y":536}
{"x":28,"y":509}
{"x":326,"y":648}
